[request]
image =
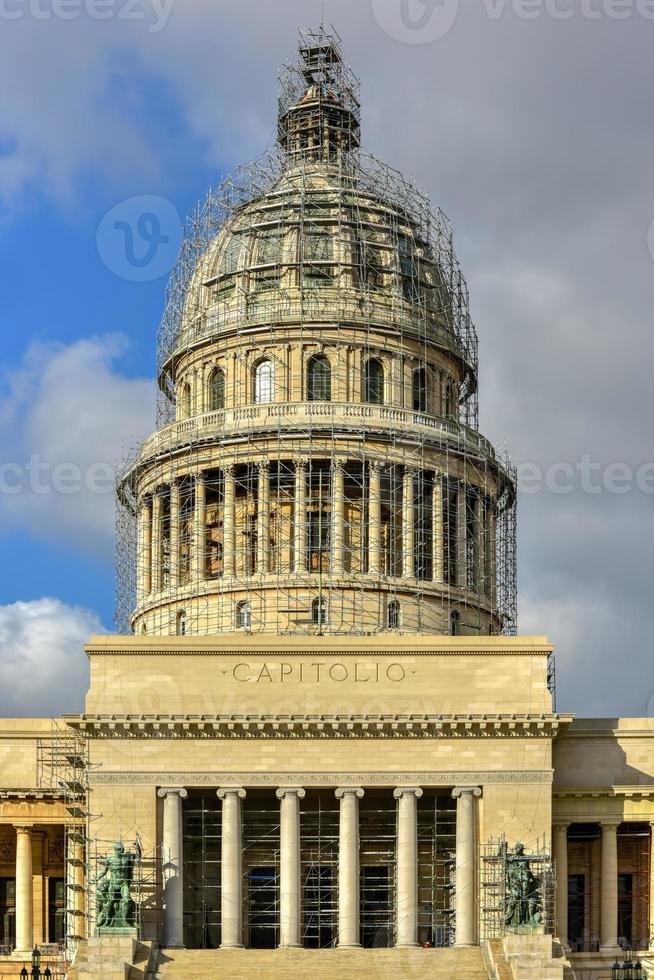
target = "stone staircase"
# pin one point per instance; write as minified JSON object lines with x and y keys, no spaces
{"x":325,"y":964}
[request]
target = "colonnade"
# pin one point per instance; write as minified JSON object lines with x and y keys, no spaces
{"x":290,"y":884}
{"x":472,"y":522}
{"x":608,"y":883}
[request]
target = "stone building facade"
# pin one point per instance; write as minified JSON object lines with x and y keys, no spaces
{"x":317,"y":721}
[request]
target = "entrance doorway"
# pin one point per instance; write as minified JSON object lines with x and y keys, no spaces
{"x":201,"y":822}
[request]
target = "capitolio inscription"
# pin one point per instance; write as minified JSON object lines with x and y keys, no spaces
{"x":319,"y":671}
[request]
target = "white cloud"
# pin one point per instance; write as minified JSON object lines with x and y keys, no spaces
{"x":43,"y":668}
{"x":68,"y":417}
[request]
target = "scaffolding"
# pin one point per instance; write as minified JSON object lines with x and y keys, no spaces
{"x":494,"y":886}
{"x":317,"y":322}
{"x":64,"y":764}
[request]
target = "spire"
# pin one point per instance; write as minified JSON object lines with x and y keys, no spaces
{"x":319,"y":109}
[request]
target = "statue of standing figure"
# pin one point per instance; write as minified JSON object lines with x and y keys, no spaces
{"x":113,"y":888}
{"x":523,"y":904}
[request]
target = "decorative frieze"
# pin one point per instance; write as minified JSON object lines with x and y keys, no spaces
{"x":274,"y":779}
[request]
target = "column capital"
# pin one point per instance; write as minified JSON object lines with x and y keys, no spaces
{"x":561,"y":825}
{"x":263,"y":465}
{"x":228,"y":469}
{"x":460,"y":791}
{"x":165,"y":791}
{"x":401,"y":791}
{"x":348,"y":791}
{"x":609,"y":826}
{"x":301,"y":464}
{"x":231,"y":791}
{"x":200,"y":476}
{"x":23,"y":828}
{"x":375,"y":465}
{"x":285,"y":791}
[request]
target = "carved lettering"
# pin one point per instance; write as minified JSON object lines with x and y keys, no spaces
{"x":358,"y":672}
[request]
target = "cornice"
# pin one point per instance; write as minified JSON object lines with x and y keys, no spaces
{"x":333,"y":779}
{"x":319,"y":726}
{"x":274,"y":644}
{"x":40,"y":793}
{"x":594,"y":792}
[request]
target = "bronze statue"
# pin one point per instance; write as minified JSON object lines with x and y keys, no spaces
{"x":523,"y":904}
{"x":113,"y":888}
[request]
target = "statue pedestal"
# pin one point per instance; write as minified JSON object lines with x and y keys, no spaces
{"x":107,"y":955}
{"x":531,"y":955}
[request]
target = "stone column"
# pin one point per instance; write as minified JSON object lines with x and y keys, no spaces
{"x":175,"y":498}
{"x":200,"y":529}
{"x":461,"y":537}
{"x":229,"y":520}
{"x":407,"y":864}
{"x":560,"y":849}
{"x":609,"y":888}
{"x":374,"y":518}
{"x":466,"y":865}
{"x":300,"y":518}
{"x":145,"y":548}
{"x":651,"y":887}
{"x":478,"y":545}
{"x":408,"y":557}
{"x":157,"y":528}
{"x":173,"y":866}
{"x":492,"y":553}
{"x":263,"y":519}
{"x":24,"y":891}
{"x":348,"y":866}
{"x":338,"y":518}
{"x":437,"y":528}
{"x":231,"y":870}
{"x":290,"y":905}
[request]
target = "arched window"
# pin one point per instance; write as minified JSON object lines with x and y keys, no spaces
{"x":373,"y":382}
{"x":181,"y":623}
{"x":319,"y":379}
{"x":420,"y":390}
{"x":455,"y":623}
{"x":393,"y":615}
{"x":243,"y":615}
{"x":185,"y":401}
{"x":216,"y":390}
{"x":144,"y":628}
{"x":264,"y":382}
{"x":449,"y":400}
{"x":319,"y":612}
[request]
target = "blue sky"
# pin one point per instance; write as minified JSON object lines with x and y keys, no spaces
{"x":535,"y":136}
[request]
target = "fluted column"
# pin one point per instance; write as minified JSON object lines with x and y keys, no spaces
{"x":461,"y":537}
{"x":231,"y":869}
{"x":300,"y":518}
{"x":229,"y":520}
{"x":24,"y":891}
{"x":408,"y":534}
{"x":374,"y":518}
{"x":348,"y":866}
{"x":466,"y":865}
{"x":290,"y":906}
{"x":175,"y":500}
{"x":609,"y":888}
{"x":338,"y":518}
{"x":173,"y":866}
{"x":200,"y":529}
{"x":560,"y":849}
{"x":437,"y":528}
{"x":491,"y":558}
{"x":407,"y":864}
{"x":157,"y":544}
{"x":263,"y":519}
